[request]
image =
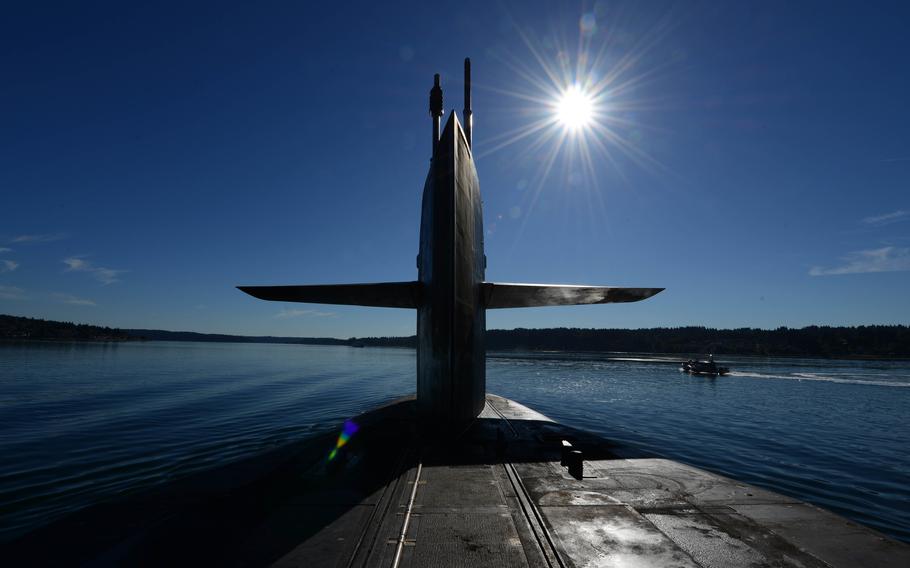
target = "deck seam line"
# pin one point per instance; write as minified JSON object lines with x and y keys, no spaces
{"x":407,"y":516}
{"x":389,"y":490}
{"x":535,"y":522}
{"x":534,"y":518}
{"x":501,"y":415}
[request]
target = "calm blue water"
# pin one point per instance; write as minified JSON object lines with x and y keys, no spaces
{"x":81,"y":423}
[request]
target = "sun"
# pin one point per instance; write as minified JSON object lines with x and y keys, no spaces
{"x":575,"y":108}
{"x":581,"y":108}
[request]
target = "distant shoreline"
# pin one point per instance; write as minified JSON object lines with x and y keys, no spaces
{"x":862,"y":343}
{"x":491,"y":353}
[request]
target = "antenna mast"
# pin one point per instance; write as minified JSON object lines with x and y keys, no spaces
{"x":466,"y":112}
{"x":436,"y":109}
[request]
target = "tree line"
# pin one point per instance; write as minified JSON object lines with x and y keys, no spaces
{"x":865,"y":341}
{"x":13,"y":327}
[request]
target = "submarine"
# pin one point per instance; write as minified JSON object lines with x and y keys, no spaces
{"x":450,"y":294}
{"x":454,"y":475}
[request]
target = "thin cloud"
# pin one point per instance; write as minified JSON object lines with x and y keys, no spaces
{"x":107,"y":275}
{"x":11,"y":293}
{"x":100,"y":273}
{"x":885,"y":259}
{"x":286,"y":313}
{"x":887,"y":218}
{"x":45,"y":238}
{"x":74,"y":300}
{"x":75,"y":263}
{"x":8,"y":265}
{"x":5,"y":249}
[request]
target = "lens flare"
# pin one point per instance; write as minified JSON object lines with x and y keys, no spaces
{"x":347,"y":431}
{"x":575,"y":108}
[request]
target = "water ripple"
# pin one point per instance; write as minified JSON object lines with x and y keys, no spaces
{"x":85,"y":423}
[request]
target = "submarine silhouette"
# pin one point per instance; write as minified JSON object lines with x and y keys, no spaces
{"x":451,"y":295}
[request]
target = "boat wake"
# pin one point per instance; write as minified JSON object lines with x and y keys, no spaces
{"x":673,"y":360}
{"x":817,"y":377}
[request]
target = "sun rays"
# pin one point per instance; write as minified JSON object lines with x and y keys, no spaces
{"x":579,"y":108}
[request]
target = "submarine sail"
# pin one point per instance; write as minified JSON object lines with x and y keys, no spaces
{"x":451,"y":295}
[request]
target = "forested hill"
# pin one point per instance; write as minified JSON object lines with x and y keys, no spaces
{"x":12,"y":327}
{"x":860,"y":341}
{"x":161,"y":335}
{"x":871,"y":341}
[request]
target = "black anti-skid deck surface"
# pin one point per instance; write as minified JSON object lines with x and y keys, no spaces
{"x":497,"y":496}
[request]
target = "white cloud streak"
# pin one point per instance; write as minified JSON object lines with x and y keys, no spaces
{"x":45,"y":238}
{"x":75,"y":263}
{"x":885,"y":259}
{"x":107,"y":275}
{"x":8,"y":265}
{"x":74,"y":300}
{"x":887,"y":218}
{"x":11,"y":293}
{"x":286,"y":313}
{"x":101,"y":274}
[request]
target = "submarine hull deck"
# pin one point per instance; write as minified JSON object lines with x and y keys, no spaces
{"x":498,"y":496}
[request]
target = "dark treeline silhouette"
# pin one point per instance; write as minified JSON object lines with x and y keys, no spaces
{"x":865,"y":341}
{"x":12,"y":327}
{"x":824,"y":341}
{"x":161,"y":335}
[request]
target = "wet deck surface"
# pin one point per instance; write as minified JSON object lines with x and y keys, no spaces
{"x":497,"y":497}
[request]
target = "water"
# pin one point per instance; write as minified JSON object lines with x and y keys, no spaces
{"x":81,"y":423}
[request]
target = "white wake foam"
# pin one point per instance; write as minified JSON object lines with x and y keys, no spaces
{"x":818,"y":377}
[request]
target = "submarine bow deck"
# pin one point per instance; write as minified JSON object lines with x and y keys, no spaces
{"x":505,"y":500}
{"x":498,"y":496}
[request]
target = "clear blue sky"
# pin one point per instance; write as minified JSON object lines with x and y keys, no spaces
{"x":752,"y":157}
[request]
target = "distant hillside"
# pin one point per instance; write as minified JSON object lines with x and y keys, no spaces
{"x":161,"y":335}
{"x":869,"y":342}
{"x":873,"y":341}
{"x":12,"y":327}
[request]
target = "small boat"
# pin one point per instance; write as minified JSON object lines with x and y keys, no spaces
{"x":707,"y":368}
